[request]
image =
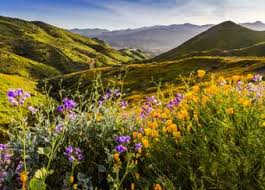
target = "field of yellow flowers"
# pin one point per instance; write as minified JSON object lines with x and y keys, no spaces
{"x":209,"y":136}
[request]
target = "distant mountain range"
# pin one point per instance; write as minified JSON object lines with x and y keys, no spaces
{"x":154,"y":39}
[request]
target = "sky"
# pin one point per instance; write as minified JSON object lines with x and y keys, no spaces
{"x":122,"y":14}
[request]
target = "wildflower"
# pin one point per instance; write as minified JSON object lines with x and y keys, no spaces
{"x":230,"y":111}
{"x":138,"y":146}
{"x":121,"y":148}
{"x":68,"y":105}
{"x":17,"y":97}
{"x":116,"y":157}
{"x":157,"y":187}
{"x":3,"y":147}
{"x":257,"y":78}
{"x":72,"y":179}
{"x":201,"y":73}
{"x":145,"y":143}
{"x":123,"y":104}
{"x":176,"y":101}
{"x":123,"y":139}
{"x":75,"y":186}
{"x":73,"y":154}
{"x":32,"y":109}
{"x":23,"y":179}
{"x":59,"y":128}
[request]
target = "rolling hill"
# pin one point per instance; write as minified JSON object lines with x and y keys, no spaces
{"x":225,"y":36}
{"x":32,"y":51}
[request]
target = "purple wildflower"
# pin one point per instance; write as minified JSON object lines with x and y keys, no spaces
{"x":3,"y":147}
{"x":73,"y":154}
{"x":121,"y":148}
{"x":17,"y":97}
{"x":176,"y":101}
{"x":123,"y":139}
{"x":123,"y":104}
{"x":59,"y":128}
{"x":32,"y":109}
{"x":138,"y":146}
{"x":67,"y":106}
{"x":257,"y":78}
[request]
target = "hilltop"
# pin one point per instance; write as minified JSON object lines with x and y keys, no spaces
{"x":225,"y":36}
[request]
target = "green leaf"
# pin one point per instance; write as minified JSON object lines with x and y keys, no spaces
{"x":36,"y":184}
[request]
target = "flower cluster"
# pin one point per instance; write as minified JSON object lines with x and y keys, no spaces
{"x":73,"y":154}
{"x":147,"y":108}
{"x":67,"y":108}
{"x":176,"y":101}
{"x":17,"y":97}
{"x":109,"y":94}
{"x":122,"y":140}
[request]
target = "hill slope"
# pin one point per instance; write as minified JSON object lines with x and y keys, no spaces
{"x":225,"y":36}
{"x":31,"y":51}
{"x":56,"y":47}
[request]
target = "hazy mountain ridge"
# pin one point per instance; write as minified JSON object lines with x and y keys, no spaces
{"x":155,"y":39}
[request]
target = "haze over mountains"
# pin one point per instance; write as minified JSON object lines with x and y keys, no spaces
{"x":154,"y":39}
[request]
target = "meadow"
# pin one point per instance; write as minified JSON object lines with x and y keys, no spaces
{"x":208,"y":135}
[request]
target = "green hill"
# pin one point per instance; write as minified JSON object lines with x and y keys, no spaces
{"x":225,"y":36}
{"x":31,"y":51}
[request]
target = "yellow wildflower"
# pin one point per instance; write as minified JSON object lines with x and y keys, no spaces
{"x":249,"y":77}
{"x":201,"y":73}
{"x":157,"y":187}
{"x":145,"y":142}
{"x":116,"y":157}
{"x":230,"y":111}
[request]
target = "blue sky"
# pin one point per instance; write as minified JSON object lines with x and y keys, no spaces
{"x":120,"y":14}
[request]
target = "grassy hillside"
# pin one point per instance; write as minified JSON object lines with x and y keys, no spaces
{"x":56,"y":47}
{"x":142,"y":79}
{"x":225,"y":36}
{"x":31,"y":51}
{"x":136,"y":55}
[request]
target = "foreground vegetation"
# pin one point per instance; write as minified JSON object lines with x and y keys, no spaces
{"x":209,"y":136}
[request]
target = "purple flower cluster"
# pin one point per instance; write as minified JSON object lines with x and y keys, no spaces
{"x":4,"y":156}
{"x":176,"y":101}
{"x":138,"y":146}
{"x":257,"y":78}
{"x":32,"y":109}
{"x":108,"y":95}
{"x":121,"y":140}
{"x":73,"y":154}
{"x":147,"y":108}
{"x":17,"y":97}
{"x":123,"y":104}
{"x":120,"y":148}
{"x":68,"y":105}
{"x":67,"y":108}
{"x":59,"y":128}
